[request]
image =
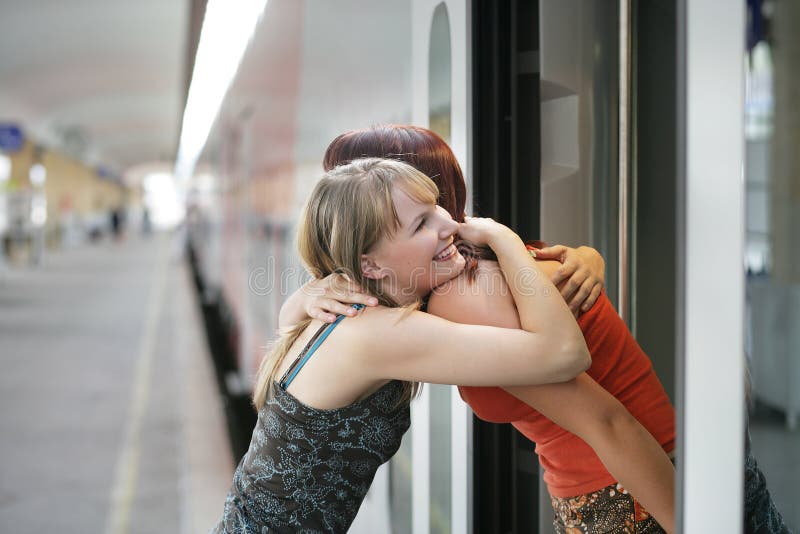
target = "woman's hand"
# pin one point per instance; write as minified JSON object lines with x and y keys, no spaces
{"x":581,"y":276}
{"x":328,"y":297}
{"x":482,"y":231}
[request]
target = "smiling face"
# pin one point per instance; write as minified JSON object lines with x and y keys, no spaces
{"x":420,"y":255}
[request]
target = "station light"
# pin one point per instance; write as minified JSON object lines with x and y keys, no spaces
{"x":38,"y":210}
{"x":37,"y":174}
{"x":226,"y":31}
{"x":5,"y":168}
{"x":163,"y":200}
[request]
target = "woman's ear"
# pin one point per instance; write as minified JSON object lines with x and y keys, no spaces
{"x":370,"y":269}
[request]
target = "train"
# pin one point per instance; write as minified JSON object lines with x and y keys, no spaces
{"x":565,"y":117}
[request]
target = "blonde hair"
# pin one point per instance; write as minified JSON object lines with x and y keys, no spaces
{"x":349,"y":211}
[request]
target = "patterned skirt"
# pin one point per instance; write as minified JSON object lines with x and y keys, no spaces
{"x":611,"y":509}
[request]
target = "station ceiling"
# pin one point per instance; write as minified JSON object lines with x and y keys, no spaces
{"x":105,"y":81}
{"x":102,"y":80}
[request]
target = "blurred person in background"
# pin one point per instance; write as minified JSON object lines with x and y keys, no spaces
{"x":117,"y":218}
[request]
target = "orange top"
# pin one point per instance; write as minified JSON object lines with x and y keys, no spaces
{"x":621,"y":367}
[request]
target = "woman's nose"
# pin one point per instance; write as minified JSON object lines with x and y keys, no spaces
{"x":448,"y":225}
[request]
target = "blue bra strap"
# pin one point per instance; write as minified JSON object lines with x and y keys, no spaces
{"x":310,"y":348}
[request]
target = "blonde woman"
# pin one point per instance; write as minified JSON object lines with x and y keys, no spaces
{"x":333,"y":398}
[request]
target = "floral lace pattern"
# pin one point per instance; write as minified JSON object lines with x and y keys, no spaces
{"x":307,"y":470}
{"x":611,"y":509}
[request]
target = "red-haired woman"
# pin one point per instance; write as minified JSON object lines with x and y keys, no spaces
{"x":613,"y":426}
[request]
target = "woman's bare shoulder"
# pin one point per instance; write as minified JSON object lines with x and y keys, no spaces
{"x":373,"y":328}
{"x":381,"y":321}
{"x":486,"y":281}
{"x":548,"y":267}
{"x":475,"y":300}
{"x":484,"y":299}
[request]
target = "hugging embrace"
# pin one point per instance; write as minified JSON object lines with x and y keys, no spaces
{"x":385,"y":237}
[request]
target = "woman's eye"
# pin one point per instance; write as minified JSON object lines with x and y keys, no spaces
{"x":421,"y":224}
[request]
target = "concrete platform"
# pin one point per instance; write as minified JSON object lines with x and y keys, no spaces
{"x":110,"y":419}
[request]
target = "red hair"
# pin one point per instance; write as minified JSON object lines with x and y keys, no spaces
{"x":419,"y":147}
{"x":426,"y":151}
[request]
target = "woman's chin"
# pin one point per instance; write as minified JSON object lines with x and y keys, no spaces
{"x":460,"y":263}
{"x":450,"y":269}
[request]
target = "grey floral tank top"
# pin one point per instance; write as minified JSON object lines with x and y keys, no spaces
{"x":308,"y":470}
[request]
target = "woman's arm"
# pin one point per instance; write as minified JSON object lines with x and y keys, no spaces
{"x":393,"y":343}
{"x":323,"y":299}
{"x":580,"y":280}
{"x":580,"y":406}
{"x":629,"y":452}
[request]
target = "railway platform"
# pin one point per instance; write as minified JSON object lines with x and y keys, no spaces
{"x":110,"y":418}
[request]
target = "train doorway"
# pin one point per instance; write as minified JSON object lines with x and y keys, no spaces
{"x":506,"y":186}
{"x":558,"y":155}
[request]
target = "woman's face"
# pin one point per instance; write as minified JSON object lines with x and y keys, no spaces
{"x":420,"y":255}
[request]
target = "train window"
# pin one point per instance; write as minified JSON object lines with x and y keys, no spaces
{"x":439,"y":117}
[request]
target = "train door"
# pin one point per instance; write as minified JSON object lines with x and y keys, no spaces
{"x":546,"y":162}
{"x":583,"y":111}
{"x":506,"y":186}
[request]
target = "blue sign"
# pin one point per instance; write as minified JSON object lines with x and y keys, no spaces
{"x":11,"y":138}
{"x":106,"y":173}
